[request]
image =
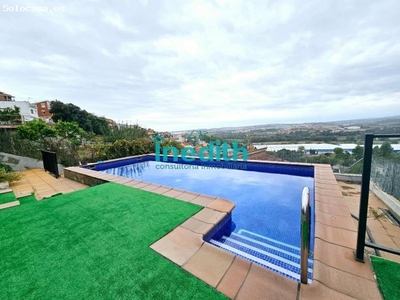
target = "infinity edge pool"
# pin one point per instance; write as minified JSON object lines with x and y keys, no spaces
{"x":335,"y":236}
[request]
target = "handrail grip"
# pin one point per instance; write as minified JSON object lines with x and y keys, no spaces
{"x":304,"y":234}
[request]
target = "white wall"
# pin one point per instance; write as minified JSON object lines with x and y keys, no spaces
{"x":28,"y":111}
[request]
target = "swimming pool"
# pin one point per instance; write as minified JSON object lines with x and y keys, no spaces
{"x":264,"y":226}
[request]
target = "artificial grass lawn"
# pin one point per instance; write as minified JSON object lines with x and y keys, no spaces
{"x":27,"y":199}
{"x":94,"y":244}
{"x":388,"y":276}
{"x":7,"y":197}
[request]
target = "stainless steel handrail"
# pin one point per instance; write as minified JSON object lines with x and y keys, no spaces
{"x":304,"y":234}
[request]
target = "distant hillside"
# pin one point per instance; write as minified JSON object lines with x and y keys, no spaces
{"x":390,"y":120}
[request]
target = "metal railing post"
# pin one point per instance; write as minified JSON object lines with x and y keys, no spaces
{"x":305,"y":234}
{"x":362,"y":215}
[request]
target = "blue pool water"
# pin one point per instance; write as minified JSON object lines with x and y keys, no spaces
{"x":265,"y":224}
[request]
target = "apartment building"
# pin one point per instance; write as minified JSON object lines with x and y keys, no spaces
{"x":6,"y":97}
{"x":43,"y":109}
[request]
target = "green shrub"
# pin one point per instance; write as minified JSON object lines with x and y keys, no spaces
{"x":7,"y":168}
{"x":9,"y":176}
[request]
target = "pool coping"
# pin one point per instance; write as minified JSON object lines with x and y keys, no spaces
{"x":336,"y":273}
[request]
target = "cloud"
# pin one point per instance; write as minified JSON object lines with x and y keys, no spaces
{"x":196,"y":64}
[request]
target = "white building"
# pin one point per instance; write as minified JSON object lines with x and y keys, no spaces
{"x":28,"y":111}
{"x":318,"y":148}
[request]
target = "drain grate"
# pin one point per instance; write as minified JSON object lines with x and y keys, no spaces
{"x":392,"y":218}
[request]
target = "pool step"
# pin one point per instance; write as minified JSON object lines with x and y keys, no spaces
{"x":264,"y":239}
{"x":270,"y":253}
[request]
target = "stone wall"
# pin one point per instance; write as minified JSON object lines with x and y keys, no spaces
{"x":20,"y":163}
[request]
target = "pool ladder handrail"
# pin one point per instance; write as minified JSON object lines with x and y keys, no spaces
{"x":304,"y":234}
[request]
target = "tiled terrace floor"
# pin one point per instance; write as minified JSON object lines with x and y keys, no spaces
{"x":43,"y":185}
{"x":383,"y":231}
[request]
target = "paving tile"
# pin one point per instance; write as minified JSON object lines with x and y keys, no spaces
{"x":141,"y":184}
{"x":110,"y":177}
{"x":46,"y":195}
{"x":261,"y":283}
{"x":150,"y":187}
{"x":234,"y":277}
{"x":22,"y":189}
{"x":325,"y":181}
{"x":99,"y":175}
{"x":335,"y":220}
{"x":121,"y":180}
{"x":336,"y":236}
{"x":9,"y":204}
{"x":41,"y":186}
{"x":23,"y":194}
{"x":179,"y":245}
{"x":352,"y":200}
{"x":203,"y":200}
{"x":322,"y":169}
{"x":384,"y":239}
{"x":3,"y":191}
{"x":397,"y":241}
{"x":46,"y":191}
{"x":65,"y":191}
{"x":222,"y":205}
{"x":393,"y":231}
{"x":329,"y":199}
{"x":197,"y":226}
{"x":353,"y":207}
{"x":126,"y":180}
{"x":133,"y":183}
{"x":208,"y":215}
{"x":161,"y":190}
{"x":391,"y":256}
{"x":186,"y":196}
{"x":340,"y":210}
{"x":326,"y":192}
{"x":317,"y":291}
{"x":341,"y":258}
{"x":346,"y":283}
{"x":331,"y":186}
{"x":209,"y":264}
{"x":324,"y":175}
{"x":173,"y":193}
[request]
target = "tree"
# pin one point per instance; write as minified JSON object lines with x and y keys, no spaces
{"x":49,"y":136}
{"x":37,"y":130}
{"x":126,"y":132}
{"x":123,"y":148}
{"x":338,"y":152}
{"x":301,"y":149}
{"x":386,"y":149}
{"x":375,"y":150}
{"x":72,"y":113}
{"x":358,"y":152}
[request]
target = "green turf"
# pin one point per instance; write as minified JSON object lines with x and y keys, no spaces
{"x":388,"y":276}
{"x":94,"y":244}
{"x":27,"y":199}
{"x":7,"y":197}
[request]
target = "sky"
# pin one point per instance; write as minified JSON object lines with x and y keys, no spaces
{"x":175,"y":65}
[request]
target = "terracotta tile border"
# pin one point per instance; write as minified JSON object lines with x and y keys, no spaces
{"x":336,"y":273}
